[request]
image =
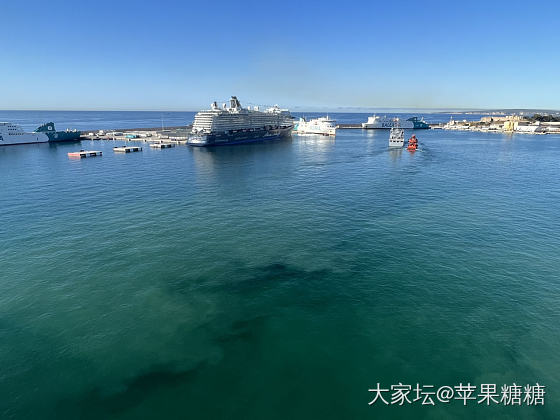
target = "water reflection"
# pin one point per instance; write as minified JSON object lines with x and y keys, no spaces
{"x":371,"y":133}
{"x":222,"y":162}
{"x":373,"y":138}
{"x":395,"y":153}
{"x":316,"y":141}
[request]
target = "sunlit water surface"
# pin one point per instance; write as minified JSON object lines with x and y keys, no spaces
{"x":278,"y":280}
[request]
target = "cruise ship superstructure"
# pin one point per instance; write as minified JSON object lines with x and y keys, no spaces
{"x":11,"y":134}
{"x":376,"y":121}
{"x":322,"y":125}
{"x":234,"y":124}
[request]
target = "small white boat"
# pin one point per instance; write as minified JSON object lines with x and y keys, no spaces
{"x":396,"y":136}
{"x":322,"y":125}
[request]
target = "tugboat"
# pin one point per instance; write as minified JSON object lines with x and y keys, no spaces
{"x":412,"y":144}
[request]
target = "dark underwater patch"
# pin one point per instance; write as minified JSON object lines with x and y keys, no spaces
{"x":96,"y":404}
{"x":274,"y":275}
{"x":238,"y":277}
{"x":243,"y":330}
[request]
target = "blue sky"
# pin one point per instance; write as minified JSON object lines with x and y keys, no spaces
{"x":181,"y":55}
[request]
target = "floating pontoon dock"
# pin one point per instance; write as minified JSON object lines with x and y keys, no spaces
{"x":161,"y":145}
{"x":85,"y":153}
{"x":127,"y":149}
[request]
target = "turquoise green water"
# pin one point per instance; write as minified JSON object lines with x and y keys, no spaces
{"x":278,"y":280}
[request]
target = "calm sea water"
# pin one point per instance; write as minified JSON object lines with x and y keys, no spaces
{"x":278,"y":280}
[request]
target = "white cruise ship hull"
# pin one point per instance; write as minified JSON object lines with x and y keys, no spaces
{"x":25,"y":139}
{"x":238,"y":137}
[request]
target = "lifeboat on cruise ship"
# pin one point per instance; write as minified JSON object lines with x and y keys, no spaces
{"x":412,"y":144}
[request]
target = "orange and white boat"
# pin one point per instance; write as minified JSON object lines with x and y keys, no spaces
{"x":412,"y":144}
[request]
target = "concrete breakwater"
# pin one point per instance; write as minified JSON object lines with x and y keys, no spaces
{"x":139,"y":134}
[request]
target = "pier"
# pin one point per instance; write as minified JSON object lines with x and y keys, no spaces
{"x":349,"y":126}
{"x":138,"y":134}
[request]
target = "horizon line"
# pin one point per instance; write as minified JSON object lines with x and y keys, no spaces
{"x":345,"y":109}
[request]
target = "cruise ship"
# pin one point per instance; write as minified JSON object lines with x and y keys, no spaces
{"x":234,"y":124}
{"x":322,"y":125}
{"x":11,"y":134}
{"x":385,"y":122}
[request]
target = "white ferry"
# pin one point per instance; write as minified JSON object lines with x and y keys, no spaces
{"x":385,"y":122}
{"x":11,"y":134}
{"x":322,"y":125}
{"x":235,"y":124}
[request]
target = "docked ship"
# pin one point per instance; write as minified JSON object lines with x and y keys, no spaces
{"x":11,"y":134}
{"x":53,"y":135}
{"x":385,"y":122}
{"x":396,"y":136}
{"x":322,"y":125}
{"x":234,"y":124}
